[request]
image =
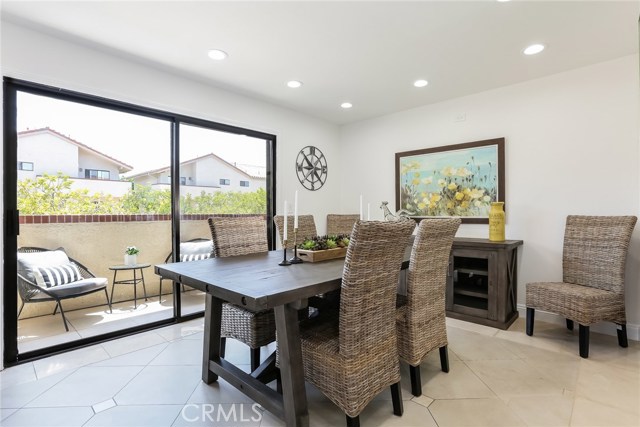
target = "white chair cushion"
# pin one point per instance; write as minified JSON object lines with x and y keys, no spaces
{"x":30,"y":265}
{"x":193,"y":251}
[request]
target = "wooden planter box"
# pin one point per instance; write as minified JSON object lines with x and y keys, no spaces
{"x":315,"y":256}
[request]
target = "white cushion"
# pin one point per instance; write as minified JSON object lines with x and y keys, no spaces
{"x":193,"y":251}
{"x":30,"y":263}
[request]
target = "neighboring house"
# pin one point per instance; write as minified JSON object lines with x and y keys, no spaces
{"x":47,"y":151}
{"x":208,"y":173}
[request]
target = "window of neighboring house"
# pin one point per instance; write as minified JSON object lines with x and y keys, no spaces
{"x":183,"y":180}
{"x":224,"y":181}
{"x":25,"y":166}
{"x":96,"y":174}
{"x":244,"y":183}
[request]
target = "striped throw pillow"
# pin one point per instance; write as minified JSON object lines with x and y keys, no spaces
{"x":193,"y":257}
{"x":60,"y":274}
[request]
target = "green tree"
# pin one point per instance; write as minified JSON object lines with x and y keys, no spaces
{"x":52,"y":194}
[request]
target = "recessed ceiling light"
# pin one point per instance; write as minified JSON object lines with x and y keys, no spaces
{"x":217,"y":54}
{"x":533,"y":49}
{"x":502,"y":1}
{"x":294,"y":84}
{"x":420,"y":83}
{"x":346,"y":105}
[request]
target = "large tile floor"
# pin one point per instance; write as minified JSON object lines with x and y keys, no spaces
{"x":497,"y":378}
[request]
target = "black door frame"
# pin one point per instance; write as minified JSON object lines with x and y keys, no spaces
{"x":11,"y":87}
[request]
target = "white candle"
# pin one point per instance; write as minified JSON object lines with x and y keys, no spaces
{"x":368,"y":211}
{"x":295,"y":211}
{"x":284,"y":235}
{"x":361,"y":217}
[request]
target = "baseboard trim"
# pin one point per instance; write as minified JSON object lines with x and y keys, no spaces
{"x":608,"y":328}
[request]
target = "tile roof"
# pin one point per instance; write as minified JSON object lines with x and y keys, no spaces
{"x":186,"y":162}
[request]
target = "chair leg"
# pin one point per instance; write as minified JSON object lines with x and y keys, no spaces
{"x":570,"y":324}
{"x":396,"y":397}
{"x":622,"y":336}
{"x":108,"y":302}
{"x":20,"y":311}
{"x":55,"y":309}
{"x":255,"y":358}
{"x":223,"y":346}
{"x":416,"y":383}
{"x":583,"y":332}
{"x":160,"y":292}
{"x":353,"y":421}
{"x":531,"y":313}
{"x":64,"y":319}
{"x":444,"y":358}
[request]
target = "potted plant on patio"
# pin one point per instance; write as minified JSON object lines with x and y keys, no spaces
{"x":131,"y":255}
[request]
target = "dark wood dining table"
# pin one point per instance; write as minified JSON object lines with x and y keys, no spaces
{"x":256,"y":282}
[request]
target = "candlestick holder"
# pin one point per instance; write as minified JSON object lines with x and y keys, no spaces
{"x":285,"y":262}
{"x":295,"y":259}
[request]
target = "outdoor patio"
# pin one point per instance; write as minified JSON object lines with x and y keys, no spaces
{"x":47,"y":330}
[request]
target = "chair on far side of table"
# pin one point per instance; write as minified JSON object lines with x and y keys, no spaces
{"x":352,"y":357}
{"x":50,"y":275}
{"x":592,"y":287}
{"x":420,"y":316}
{"x":234,"y":236}
{"x":191,"y":250}
{"x":341,"y":223}
{"x":306,"y":228}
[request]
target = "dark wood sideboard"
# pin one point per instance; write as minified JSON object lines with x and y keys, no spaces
{"x":482,"y":282}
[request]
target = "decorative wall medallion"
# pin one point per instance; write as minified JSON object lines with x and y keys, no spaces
{"x":311,"y":166}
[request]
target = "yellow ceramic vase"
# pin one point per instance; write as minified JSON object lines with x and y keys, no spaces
{"x":496,"y":222}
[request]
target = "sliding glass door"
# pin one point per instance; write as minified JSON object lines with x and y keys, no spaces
{"x":96,"y":193}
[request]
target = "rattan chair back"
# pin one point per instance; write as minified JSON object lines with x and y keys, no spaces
{"x":369,"y":283}
{"x":595,"y":251}
{"x":241,"y":235}
{"x":306,"y":228}
{"x":422,"y":327}
{"x":341,"y":223}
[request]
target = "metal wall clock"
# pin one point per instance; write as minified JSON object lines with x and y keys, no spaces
{"x":311,"y":166}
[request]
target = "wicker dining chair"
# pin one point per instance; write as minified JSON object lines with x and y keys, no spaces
{"x":233,"y":236}
{"x":592,"y":287}
{"x":352,"y":357}
{"x":341,"y":224}
{"x":306,"y":228}
{"x":420,"y":314}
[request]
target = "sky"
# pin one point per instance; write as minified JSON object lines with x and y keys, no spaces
{"x":138,"y":141}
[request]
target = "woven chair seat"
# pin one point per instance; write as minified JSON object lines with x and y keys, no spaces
{"x":352,"y":382}
{"x":255,"y":329}
{"x":582,"y":304}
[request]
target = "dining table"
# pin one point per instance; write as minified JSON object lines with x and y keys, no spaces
{"x":257,"y":282}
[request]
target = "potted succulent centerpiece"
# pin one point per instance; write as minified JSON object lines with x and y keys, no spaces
{"x":131,"y":255}
{"x":321,"y":248}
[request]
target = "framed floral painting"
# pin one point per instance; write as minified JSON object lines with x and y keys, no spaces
{"x":459,"y":180}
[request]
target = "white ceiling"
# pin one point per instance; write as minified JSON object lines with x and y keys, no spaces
{"x":368,"y":53}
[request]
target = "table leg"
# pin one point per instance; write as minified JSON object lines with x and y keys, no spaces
{"x":212,"y":326}
{"x":144,"y":288}
{"x":135,"y":288}
{"x":291,"y":371}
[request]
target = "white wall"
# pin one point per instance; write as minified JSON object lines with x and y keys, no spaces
{"x":572,"y":147}
{"x":29,"y":55}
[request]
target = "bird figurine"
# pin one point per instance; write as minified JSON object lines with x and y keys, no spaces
{"x":389,"y":216}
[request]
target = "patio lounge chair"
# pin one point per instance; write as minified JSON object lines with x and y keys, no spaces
{"x":50,"y":275}
{"x":191,"y":250}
